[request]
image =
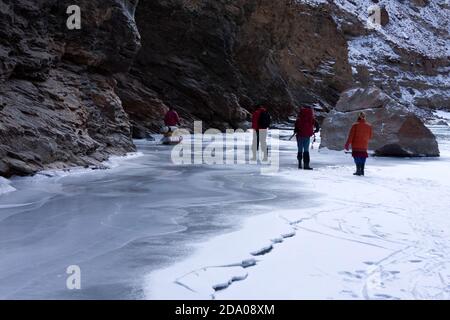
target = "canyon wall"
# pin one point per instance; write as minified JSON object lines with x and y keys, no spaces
{"x":58,"y":101}
{"x":74,"y":97}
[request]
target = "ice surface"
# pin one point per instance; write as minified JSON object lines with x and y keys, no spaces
{"x":383,"y":236}
{"x":118,"y":224}
{"x":149,"y":229}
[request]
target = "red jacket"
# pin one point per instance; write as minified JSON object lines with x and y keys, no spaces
{"x":255,"y":118}
{"x":171,"y":119}
{"x":359,"y":136}
{"x":304,"y":126}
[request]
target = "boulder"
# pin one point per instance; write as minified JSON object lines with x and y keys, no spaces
{"x":397,"y":132}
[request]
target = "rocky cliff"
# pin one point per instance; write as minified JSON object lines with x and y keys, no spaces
{"x":407,"y":56}
{"x":214,"y":60}
{"x":73,"y":97}
{"x":58,"y":105}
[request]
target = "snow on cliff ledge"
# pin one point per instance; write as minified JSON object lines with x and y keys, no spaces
{"x":424,"y":30}
{"x":391,"y":54}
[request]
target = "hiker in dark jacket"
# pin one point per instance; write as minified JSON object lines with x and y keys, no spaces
{"x":260,"y":124}
{"x":304,"y":130}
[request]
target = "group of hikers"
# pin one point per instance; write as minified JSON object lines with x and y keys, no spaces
{"x":306,"y":126}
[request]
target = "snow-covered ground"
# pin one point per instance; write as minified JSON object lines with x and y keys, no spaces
{"x":383,"y":236}
{"x":149,"y":229}
{"x":5,"y":186}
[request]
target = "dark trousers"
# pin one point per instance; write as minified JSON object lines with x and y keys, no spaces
{"x":360,"y":161}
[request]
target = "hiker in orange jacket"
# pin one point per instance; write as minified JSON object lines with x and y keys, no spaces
{"x":359,"y":137}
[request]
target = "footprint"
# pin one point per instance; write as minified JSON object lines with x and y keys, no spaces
{"x":277,"y":240}
{"x":394,"y":272}
{"x":369,"y":236}
{"x":248,"y":263}
{"x":288,"y":235}
{"x":351,"y":275}
{"x":223,"y":286}
{"x":385,"y":296}
{"x":262,"y":251}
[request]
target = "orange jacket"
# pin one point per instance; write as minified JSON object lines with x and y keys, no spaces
{"x":359,"y":136}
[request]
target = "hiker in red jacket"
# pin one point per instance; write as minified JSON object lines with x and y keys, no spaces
{"x":304,"y":130}
{"x":260,"y":124}
{"x":171,"y":119}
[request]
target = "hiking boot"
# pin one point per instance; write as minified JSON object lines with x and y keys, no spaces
{"x":306,"y":160}
{"x":299,"y":158}
{"x":358,"y":170}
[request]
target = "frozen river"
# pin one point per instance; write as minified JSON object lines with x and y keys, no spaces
{"x":147,"y":228}
{"x":118,"y":225}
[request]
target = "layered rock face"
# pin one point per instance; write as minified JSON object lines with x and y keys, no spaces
{"x":397,"y":132}
{"x":73,"y":97}
{"x":408,"y":56}
{"x":214,"y":60}
{"x":58,"y":105}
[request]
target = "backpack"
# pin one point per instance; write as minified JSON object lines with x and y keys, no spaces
{"x":264,"y":120}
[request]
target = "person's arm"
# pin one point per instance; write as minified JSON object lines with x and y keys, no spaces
{"x":178,"y":118}
{"x":350,"y":138}
{"x":317,"y":126}
{"x":296,"y":126}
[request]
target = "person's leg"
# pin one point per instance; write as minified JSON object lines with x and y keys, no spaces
{"x":258,"y":137}
{"x":363,"y":165}
{"x":306,"y":156}
{"x":263,"y":139}
{"x":255,"y":144}
{"x":358,"y":166}
{"x":299,"y":152}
